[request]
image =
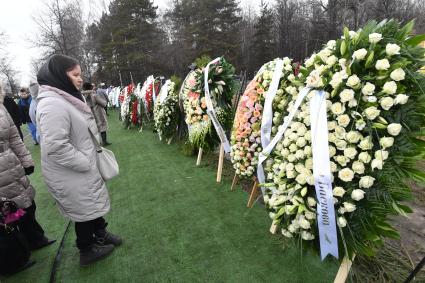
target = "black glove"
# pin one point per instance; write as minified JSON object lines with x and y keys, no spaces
{"x":29,"y":170}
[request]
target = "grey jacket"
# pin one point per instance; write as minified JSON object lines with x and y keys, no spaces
{"x":97,"y":103}
{"x":68,"y":155}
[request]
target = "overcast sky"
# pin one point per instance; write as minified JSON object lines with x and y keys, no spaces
{"x":16,"y":20}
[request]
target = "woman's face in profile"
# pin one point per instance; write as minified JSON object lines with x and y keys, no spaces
{"x":75,"y":76}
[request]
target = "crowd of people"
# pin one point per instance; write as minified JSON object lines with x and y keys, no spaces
{"x":66,"y":118}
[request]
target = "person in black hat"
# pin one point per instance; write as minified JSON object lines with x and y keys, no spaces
{"x":67,"y":131}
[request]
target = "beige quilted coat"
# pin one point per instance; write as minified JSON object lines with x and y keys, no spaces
{"x":14,"y":156}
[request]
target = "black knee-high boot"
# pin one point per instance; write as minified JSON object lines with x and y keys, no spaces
{"x":104,"y":141}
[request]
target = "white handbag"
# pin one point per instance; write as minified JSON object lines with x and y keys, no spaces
{"x":106,"y":162}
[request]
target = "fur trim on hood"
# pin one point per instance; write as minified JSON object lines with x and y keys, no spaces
{"x":2,"y":94}
{"x":34,"y":87}
{"x":80,"y":105}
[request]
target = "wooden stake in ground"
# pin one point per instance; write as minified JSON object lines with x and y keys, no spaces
{"x":220,"y":163}
{"x":169,"y":141}
{"x":344,"y":270}
{"x":273,"y":228}
{"x":235,"y":181}
{"x":198,"y":161}
{"x":254,"y":193}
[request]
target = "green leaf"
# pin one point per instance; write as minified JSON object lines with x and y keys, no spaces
{"x":369,"y":59}
{"x":415,"y":40}
{"x":343,"y":48}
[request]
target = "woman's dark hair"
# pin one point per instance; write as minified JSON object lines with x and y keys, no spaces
{"x":53,"y":73}
{"x":87,"y":86}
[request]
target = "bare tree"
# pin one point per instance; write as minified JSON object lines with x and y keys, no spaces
{"x":9,"y":74}
{"x":61,"y":29}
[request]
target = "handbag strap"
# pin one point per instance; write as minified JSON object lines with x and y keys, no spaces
{"x":96,"y":143}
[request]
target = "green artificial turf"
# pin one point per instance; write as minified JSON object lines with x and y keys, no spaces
{"x":177,"y":223}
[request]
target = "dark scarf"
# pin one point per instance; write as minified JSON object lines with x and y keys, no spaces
{"x":53,"y":73}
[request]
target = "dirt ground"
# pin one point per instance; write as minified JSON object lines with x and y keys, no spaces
{"x":412,"y":227}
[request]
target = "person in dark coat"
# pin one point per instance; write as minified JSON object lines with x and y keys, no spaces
{"x":24,"y":110}
{"x":13,"y":110}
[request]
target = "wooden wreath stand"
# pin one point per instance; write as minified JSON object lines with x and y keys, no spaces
{"x":220,"y":163}
{"x":254,"y":190}
{"x":198,"y":161}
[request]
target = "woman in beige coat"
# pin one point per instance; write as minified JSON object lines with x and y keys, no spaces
{"x":68,"y":156}
{"x":15,"y":164}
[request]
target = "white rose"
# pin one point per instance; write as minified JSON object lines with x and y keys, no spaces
{"x":334,"y":168}
{"x":377,"y":163}
{"x":304,"y":223}
{"x":401,"y":99}
{"x":381,"y":154}
{"x":301,"y":142}
{"x":360,"y":54}
{"x":353,"y":137}
{"x":352,"y":34}
{"x":337,"y":108}
{"x":310,"y":215}
{"x":372,"y":112}
{"x":340,"y":144}
{"x":307,"y":150}
{"x":346,"y":95}
{"x":290,"y":174}
{"x":307,"y":236}
{"x":394,"y":129}
{"x":349,"y":207}
{"x":368,"y":89}
{"x":342,"y":160}
{"x":342,"y":62}
{"x":342,"y":222}
{"x":366,"y":182}
{"x":390,"y":87}
{"x":286,"y":61}
{"x":299,"y":154}
{"x":331,"y":60}
{"x":291,"y":77}
{"x":353,"y":81}
{"x":360,"y":124}
{"x":331,"y":44}
{"x":343,"y":120}
{"x":386,"y":142}
{"x":365,"y":157}
{"x":338,"y":191}
{"x":352,"y":103}
{"x":392,"y":49}
{"x":331,"y":125}
{"x":286,"y":233}
{"x":358,"y":167}
{"x":350,"y":152}
{"x":314,"y":80}
{"x":310,"y":61}
{"x":375,"y":37}
{"x":398,"y":75}
{"x":332,"y":151}
{"x":311,"y":201}
{"x":346,"y":175}
{"x":357,"y":194}
{"x":309,"y":164}
{"x":336,"y":80}
{"x":382,"y":65}
{"x":386,"y":103}
{"x":366,"y":143}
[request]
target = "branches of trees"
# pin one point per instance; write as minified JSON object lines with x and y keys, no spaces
{"x":134,"y":40}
